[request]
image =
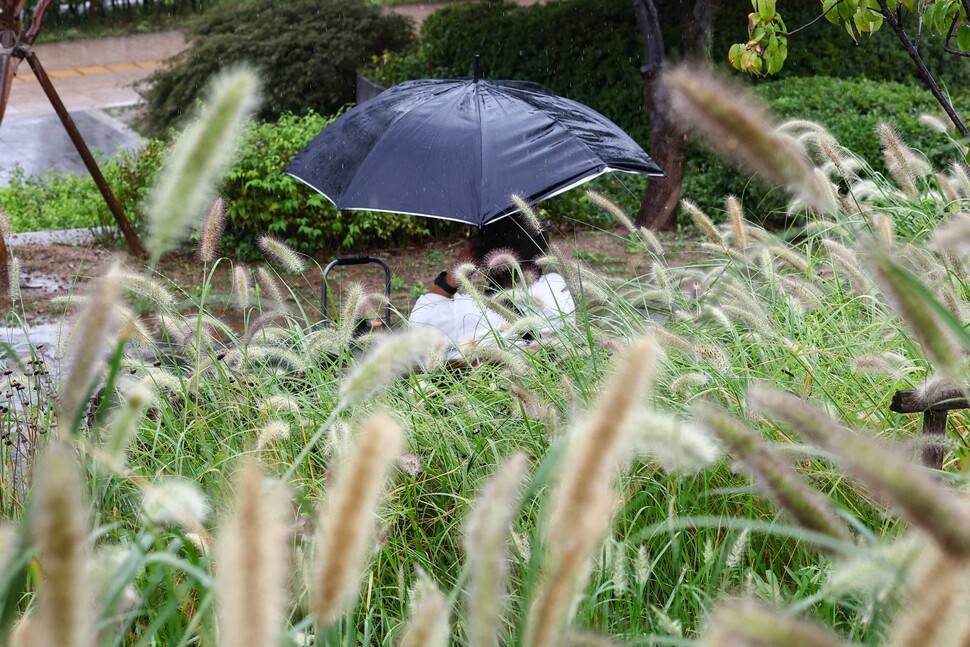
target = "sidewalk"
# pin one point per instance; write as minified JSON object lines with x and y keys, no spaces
{"x":99,"y":73}
{"x":96,"y":73}
{"x":91,"y":76}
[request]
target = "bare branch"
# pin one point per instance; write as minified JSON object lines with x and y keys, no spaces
{"x":914,"y":54}
{"x":816,"y":19}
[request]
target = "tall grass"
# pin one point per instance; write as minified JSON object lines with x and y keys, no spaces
{"x":582,"y":490}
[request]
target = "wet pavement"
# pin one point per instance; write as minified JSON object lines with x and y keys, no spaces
{"x":96,"y":73}
{"x":39,"y":143}
{"x":89,"y":76}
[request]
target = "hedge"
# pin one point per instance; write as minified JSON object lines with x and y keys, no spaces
{"x":307,"y":52}
{"x":850,"y":109}
{"x":590,"y":51}
{"x":262,"y":199}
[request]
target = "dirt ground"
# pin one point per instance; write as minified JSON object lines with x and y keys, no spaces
{"x":48,"y":271}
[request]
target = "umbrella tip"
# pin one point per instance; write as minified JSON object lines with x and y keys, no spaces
{"x":477,"y":67}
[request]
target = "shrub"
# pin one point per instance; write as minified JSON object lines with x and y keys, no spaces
{"x":826,"y":50}
{"x":850,"y":109}
{"x":64,"y":201}
{"x":590,"y":51}
{"x":261,"y":199}
{"x":307,"y":52}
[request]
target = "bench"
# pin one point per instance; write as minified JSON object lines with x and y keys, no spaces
{"x":934,"y":413}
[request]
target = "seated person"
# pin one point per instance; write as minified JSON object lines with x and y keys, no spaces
{"x":461,"y":317}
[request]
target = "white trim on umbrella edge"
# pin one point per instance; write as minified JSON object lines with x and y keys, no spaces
{"x":573,"y":185}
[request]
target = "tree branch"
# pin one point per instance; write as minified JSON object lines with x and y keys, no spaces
{"x":913,"y":52}
{"x":37,"y":22}
{"x":817,"y":18}
{"x":653,"y":44}
{"x":949,"y":37}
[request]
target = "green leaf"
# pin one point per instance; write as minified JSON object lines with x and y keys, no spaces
{"x":831,"y":16}
{"x":734,"y":55}
{"x":767,"y":9}
{"x":847,"y":9}
{"x":963,"y":38}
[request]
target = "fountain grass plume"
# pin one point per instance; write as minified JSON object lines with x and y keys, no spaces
{"x":175,"y":502}
{"x":530,"y":218}
{"x":463,"y":273}
{"x":802,"y":290}
{"x":348,"y":521}
{"x":934,"y":123}
{"x":282,"y":253}
{"x":925,"y":502}
{"x":879,"y":569}
{"x":903,"y":163}
{"x":260,"y":353}
{"x":124,"y":424}
{"x":650,"y":241}
{"x":428,"y":626}
{"x":252,"y":552}
{"x":349,"y":312}
{"x":502,"y":260}
{"x":566,"y":569}
{"x":272,"y":430}
{"x":6,"y":229}
{"x":785,"y":254}
{"x":581,"y":288}
{"x":661,"y":277}
{"x":90,"y":339}
{"x":772,"y":473}
{"x":748,"y":623}
{"x":678,"y":446}
{"x":737,"y":125}
{"x":390,"y":359}
{"x":276,"y":404}
{"x":947,"y":187}
{"x":148,"y":288}
{"x":909,"y":298}
{"x":241,"y":287}
{"x":844,"y":260}
{"x":960,"y":175}
{"x":753,"y":319}
{"x":580,"y":506}
{"x":510,"y":359}
{"x":933,"y":598}
{"x":130,"y":326}
{"x":268,"y":284}
{"x":487,"y":532}
{"x":13,"y":279}
{"x":953,"y":235}
{"x":685,"y":383}
{"x":884,"y":229}
{"x":211,"y":234}
{"x":611,"y":208}
{"x":736,"y":218}
{"x":200,"y":156}
{"x":703,"y":223}
{"x":64,"y":612}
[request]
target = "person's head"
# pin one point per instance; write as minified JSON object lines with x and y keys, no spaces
{"x":510,"y":235}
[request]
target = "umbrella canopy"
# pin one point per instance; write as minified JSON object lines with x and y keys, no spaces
{"x":458,"y":149}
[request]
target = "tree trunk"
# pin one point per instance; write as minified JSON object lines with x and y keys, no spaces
{"x":668,"y":145}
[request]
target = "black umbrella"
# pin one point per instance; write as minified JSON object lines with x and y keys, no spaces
{"x":457,"y":149}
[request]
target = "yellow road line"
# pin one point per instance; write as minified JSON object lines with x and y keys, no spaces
{"x":27,"y":75}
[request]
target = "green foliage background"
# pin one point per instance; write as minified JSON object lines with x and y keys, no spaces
{"x":307,"y":53}
{"x":262,"y":199}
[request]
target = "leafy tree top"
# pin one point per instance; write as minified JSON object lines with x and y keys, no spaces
{"x":766,"y":49}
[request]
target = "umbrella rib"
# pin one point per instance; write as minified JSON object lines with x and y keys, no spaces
{"x":561,"y":127}
{"x":481,"y":152}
